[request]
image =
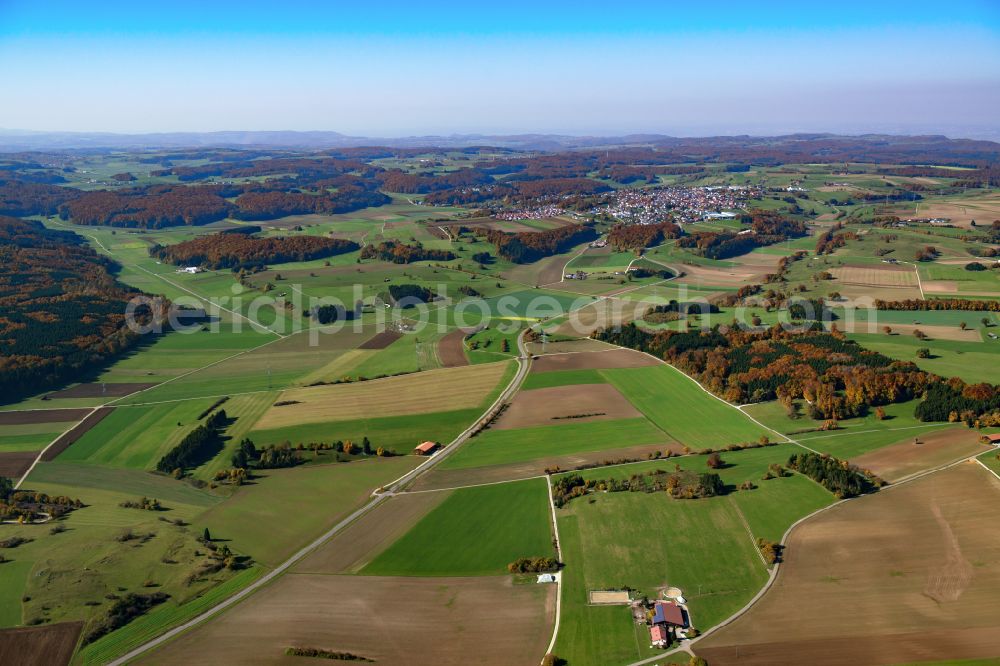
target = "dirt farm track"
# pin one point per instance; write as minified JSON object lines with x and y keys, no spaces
{"x":413,"y":621}
{"x":909,"y":574}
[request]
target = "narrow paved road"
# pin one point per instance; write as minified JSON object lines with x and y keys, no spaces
{"x":524,"y":363}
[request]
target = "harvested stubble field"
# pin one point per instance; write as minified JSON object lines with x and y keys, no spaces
{"x":565,"y":346}
{"x":913,"y":572}
{"x":875,"y":275}
{"x":932,"y":332}
{"x":418,"y":393}
{"x":597,"y":360}
{"x":52,"y":645}
{"x":566,"y":404}
{"x":451,"y":349}
{"x":919,"y":452}
{"x":413,"y":621}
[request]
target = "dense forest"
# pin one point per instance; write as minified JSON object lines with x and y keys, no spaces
{"x":403,"y":253}
{"x":148,"y":207}
{"x":241,"y":251}
{"x":836,"y":376}
{"x":529,"y":246}
{"x":638,"y":236}
{"x":766,"y":228}
{"x":63,"y":312}
{"x":274,"y":204}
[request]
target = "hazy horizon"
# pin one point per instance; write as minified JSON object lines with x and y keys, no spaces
{"x":561,"y":68}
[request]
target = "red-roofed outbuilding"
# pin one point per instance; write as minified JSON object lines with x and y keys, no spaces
{"x":426,"y":448}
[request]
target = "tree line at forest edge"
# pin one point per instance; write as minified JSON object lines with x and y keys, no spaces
{"x":63,"y":309}
{"x":207,"y":439}
{"x":235,"y":251}
{"x":838,"y":378}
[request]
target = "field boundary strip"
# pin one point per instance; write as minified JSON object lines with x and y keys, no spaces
{"x":555,"y":532}
{"x":524,"y":364}
{"x":986,"y":467}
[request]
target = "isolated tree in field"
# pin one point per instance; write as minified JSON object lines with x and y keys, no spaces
{"x":880,"y":413}
{"x":923,"y":352}
{"x":919,"y":335}
{"x":887,"y":330}
{"x":206,"y":536}
{"x":714,"y":461}
{"x":985,"y":321}
{"x":963,"y":325}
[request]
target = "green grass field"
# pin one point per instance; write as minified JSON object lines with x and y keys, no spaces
{"x":474,"y":532}
{"x":848,"y":445}
{"x":972,"y":361}
{"x":681,"y":408}
{"x":285,"y":508}
{"x":497,"y":447}
{"x":136,"y":437}
{"x":537,"y":380}
{"x":773,"y":415}
{"x":399,"y":433}
{"x":647,"y":541}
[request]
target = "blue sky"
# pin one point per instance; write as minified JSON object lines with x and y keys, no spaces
{"x":394,"y":68}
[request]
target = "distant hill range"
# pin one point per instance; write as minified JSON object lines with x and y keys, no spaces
{"x":818,"y":147}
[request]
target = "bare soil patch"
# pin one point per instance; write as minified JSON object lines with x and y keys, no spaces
{"x":919,"y":452}
{"x":51,"y":645}
{"x":940,"y":287}
{"x":599,"y":360}
{"x":98,"y":390}
{"x":350,"y":550}
{"x":608,"y":597}
{"x":414,"y":621}
{"x":452,"y":478}
{"x":566,"y":404}
{"x":76,"y":432}
{"x":13,"y":465}
{"x":42,"y":416}
{"x":451,"y":349}
{"x":381,"y":340}
{"x":910,"y":570}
